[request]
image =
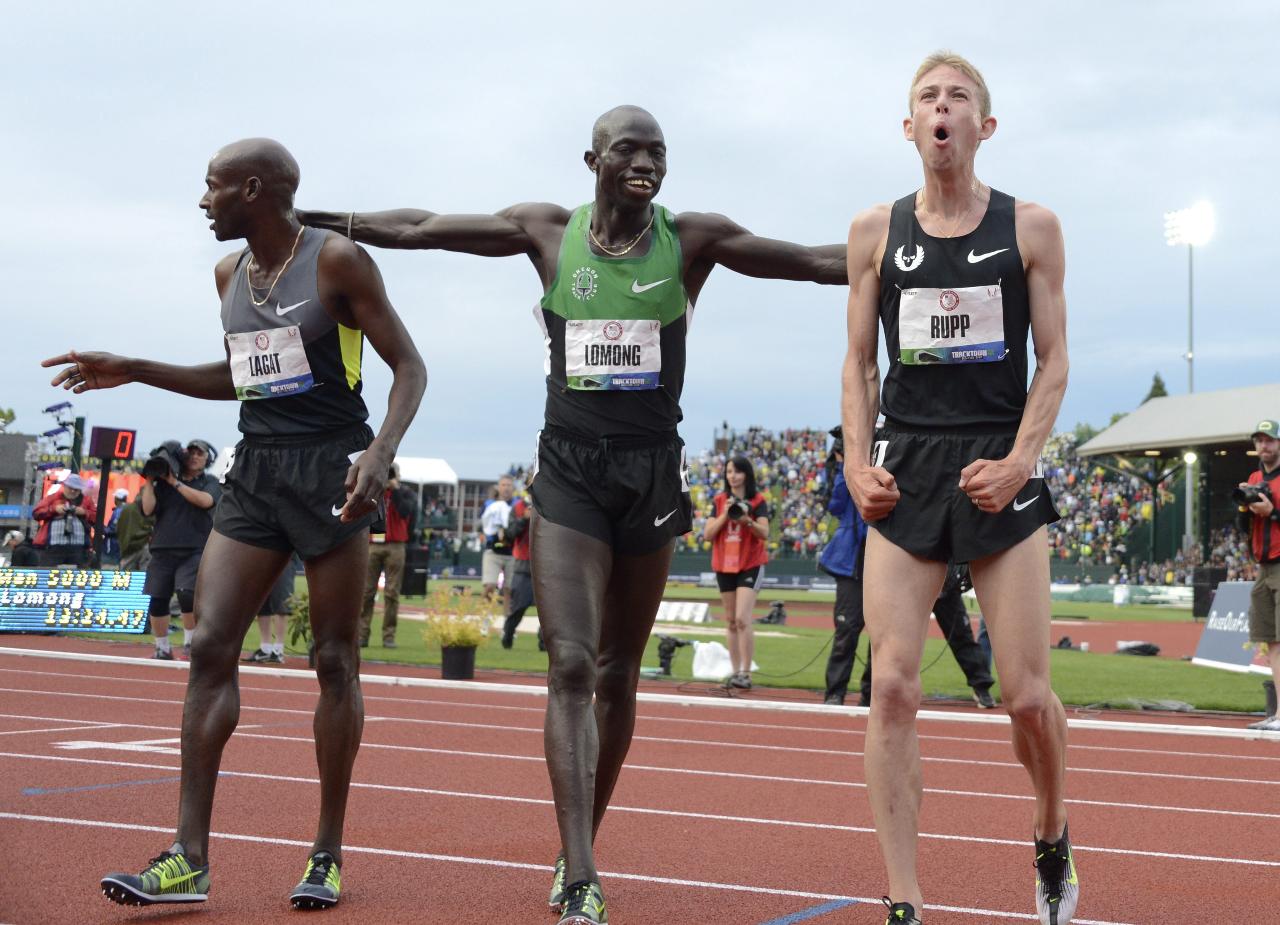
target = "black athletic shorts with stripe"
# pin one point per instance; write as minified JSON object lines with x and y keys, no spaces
{"x":287,"y":493}
{"x":934,"y":519}
{"x":632,"y":492}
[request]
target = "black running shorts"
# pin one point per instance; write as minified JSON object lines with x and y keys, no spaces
{"x":732,"y":581}
{"x":287,"y":494}
{"x":934,"y":519}
{"x":631,"y":493}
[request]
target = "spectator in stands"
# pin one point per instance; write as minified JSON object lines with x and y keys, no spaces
{"x":737,"y":529}
{"x":842,"y":560}
{"x":66,"y":518}
{"x":183,"y":509}
{"x":133,"y":533}
{"x":1262,"y":517}
{"x":11,"y":541}
{"x":111,"y":541}
{"x":386,"y":558}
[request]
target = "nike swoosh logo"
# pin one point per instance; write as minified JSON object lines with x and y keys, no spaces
{"x":285,"y":311}
{"x":978,"y":258}
{"x":1019,"y":505}
{"x":166,"y":882}
{"x":337,"y":510}
{"x":637,"y":288}
{"x":659,"y":521}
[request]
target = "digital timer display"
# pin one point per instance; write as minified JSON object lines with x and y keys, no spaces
{"x":72,"y":600}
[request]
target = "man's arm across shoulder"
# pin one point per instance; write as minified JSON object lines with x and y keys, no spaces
{"x":713,"y":238}
{"x":512,"y":231}
{"x":352,"y":291}
{"x":992,"y":484}
{"x":873,"y":489}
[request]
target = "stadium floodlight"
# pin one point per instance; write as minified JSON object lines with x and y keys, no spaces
{"x":55,"y":432}
{"x":1189,"y":457}
{"x":60,"y":406}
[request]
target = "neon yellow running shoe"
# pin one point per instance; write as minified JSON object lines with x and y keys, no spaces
{"x":321,"y":884}
{"x":584,"y":904}
{"x":167,"y":878}
{"x":900,"y":913}
{"x":556,"y":899}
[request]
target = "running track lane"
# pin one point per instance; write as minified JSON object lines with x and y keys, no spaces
{"x":751,"y":816}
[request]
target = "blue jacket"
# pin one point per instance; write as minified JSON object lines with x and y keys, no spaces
{"x":842,"y":556}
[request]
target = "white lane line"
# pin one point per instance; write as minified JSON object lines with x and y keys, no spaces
{"x":530,"y":690}
{"x":1001,"y":742}
{"x":23,"y":732}
{"x":988,"y":914}
{"x":663,"y":740}
{"x":723,"y":817}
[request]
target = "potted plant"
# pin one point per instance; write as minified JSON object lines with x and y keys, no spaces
{"x":458,"y":621}
{"x":299,"y":626}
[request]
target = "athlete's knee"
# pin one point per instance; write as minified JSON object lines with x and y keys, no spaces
{"x":616,"y":681}
{"x":1029,"y":705}
{"x":895,"y":691}
{"x":214,"y":656}
{"x":571,"y":668}
{"x":337,"y":666}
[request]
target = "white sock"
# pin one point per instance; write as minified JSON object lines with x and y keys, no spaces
{"x":186,"y":636}
{"x":162,"y":643}
{"x":278,"y":648}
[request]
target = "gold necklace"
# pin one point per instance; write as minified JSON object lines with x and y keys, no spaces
{"x":619,"y":250}
{"x":249,"y":266}
{"x":975,"y":191}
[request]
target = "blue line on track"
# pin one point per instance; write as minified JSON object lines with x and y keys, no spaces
{"x":44,"y":791}
{"x":812,"y":913}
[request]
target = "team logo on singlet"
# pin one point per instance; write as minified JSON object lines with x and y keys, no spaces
{"x":585,"y":284}
{"x":907,"y":264}
{"x":948,"y":300}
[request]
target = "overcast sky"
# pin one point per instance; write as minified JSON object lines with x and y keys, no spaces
{"x":785,"y":117}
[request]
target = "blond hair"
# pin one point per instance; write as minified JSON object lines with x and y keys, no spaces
{"x":946,"y":58}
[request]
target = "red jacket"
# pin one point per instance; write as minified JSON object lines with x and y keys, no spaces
{"x":520,"y":549}
{"x":44,"y":513}
{"x":1264,"y":532}
{"x":736,"y":549}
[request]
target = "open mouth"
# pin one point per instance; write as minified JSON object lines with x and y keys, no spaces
{"x":941,"y":134}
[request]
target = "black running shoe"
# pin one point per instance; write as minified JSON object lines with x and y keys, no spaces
{"x":741,"y":681}
{"x":258,"y":656}
{"x":556,"y":897}
{"x":163,"y":654}
{"x":1057,"y":886}
{"x":167,"y":878}
{"x":982,"y":697}
{"x":321,"y":883}
{"x":900,"y":913}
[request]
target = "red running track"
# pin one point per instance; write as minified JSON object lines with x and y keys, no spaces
{"x":725,"y":813}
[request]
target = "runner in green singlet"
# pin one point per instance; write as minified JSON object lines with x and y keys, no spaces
{"x":620,"y":276}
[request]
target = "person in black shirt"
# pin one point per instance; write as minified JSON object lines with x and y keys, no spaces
{"x":183,"y":509}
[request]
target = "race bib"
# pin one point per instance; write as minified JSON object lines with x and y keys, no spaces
{"x":964,"y":325}
{"x":613,"y":355}
{"x":269,"y":364}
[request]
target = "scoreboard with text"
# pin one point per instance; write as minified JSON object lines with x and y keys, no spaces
{"x":72,"y":600}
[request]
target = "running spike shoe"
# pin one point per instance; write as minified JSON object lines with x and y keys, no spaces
{"x":584,"y":904}
{"x":1057,"y":887}
{"x":556,"y":899}
{"x":167,"y":878}
{"x":321,"y":884}
{"x":900,"y":913}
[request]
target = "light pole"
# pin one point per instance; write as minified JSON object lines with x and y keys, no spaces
{"x":1193,"y":227}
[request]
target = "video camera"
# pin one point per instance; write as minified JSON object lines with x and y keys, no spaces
{"x":777,"y":615}
{"x":667,"y":646}
{"x":737,"y":509}
{"x":168,"y":457}
{"x":1245,"y":495}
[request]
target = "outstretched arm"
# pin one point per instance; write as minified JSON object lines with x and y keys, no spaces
{"x":352,"y":285}
{"x":712,"y":237}
{"x":992,"y":484}
{"x":504,"y":234}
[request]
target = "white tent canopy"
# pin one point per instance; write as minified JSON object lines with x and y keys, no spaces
{"x":424,"y":470}
{"x":1199,"y":419}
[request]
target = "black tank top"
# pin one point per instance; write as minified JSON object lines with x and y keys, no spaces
{"x":296,"y":370}
{"x":956,"y":315}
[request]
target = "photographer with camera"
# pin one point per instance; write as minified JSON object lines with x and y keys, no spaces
{"x":737,"y":530}
{"x":1260,"y":517}
{"x":181,"y":496}
{"x":66,"y":518}
{"x":387,"y":549}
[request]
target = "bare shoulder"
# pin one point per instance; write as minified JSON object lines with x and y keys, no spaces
{"x":528,"y":214}
{"x":708,"y":223}
{"x":867,"y":234}
{"x":1035,"y":221}
{"x":223,"y":270}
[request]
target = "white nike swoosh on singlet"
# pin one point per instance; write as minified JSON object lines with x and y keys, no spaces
{"x":285,"y":311}
{"x":637,"y":288}
{"x":978,"y":258}
{"x":1019,"y":505}
{"x":659,"y":521}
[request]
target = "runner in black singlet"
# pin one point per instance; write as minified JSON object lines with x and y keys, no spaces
{"x":296,"y":306}
{"x":620,"y":276}
{"x":958,"y":273}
